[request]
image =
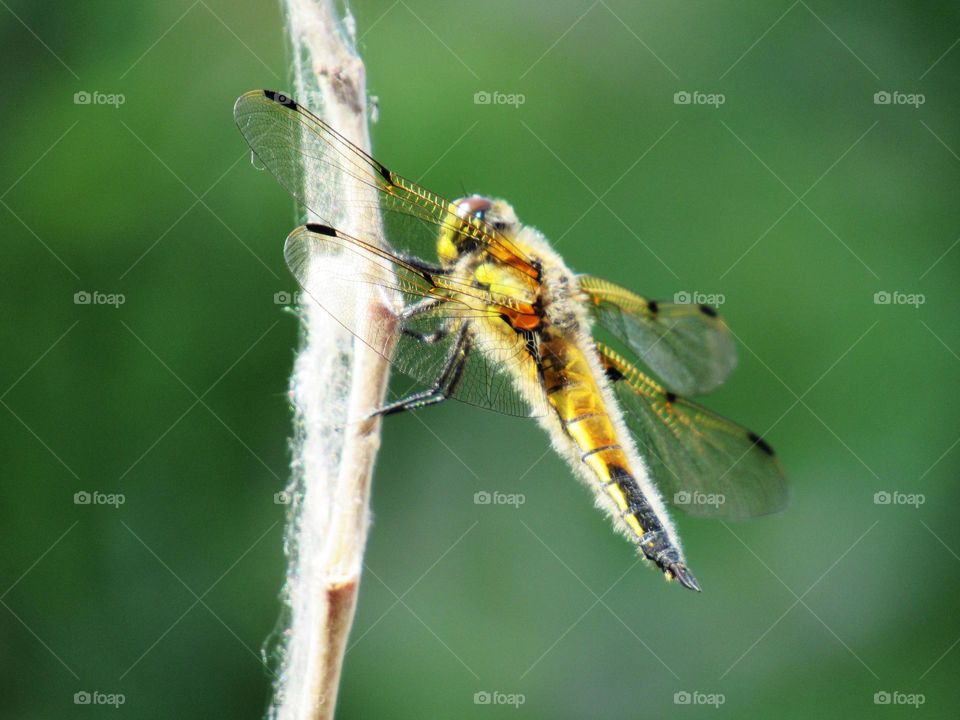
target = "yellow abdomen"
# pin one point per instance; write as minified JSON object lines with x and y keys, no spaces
{"x":575,"y":396}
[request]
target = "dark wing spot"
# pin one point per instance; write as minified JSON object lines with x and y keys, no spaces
{"x":321,"y":229}
{"x":613,"y":375}
{"x":653,"y":307}
{"x":708,"y":311}
{"x":281,"y":99}
{"x":760,"y":443}
{"x":671,"y":397}
{"x":384,"y":172}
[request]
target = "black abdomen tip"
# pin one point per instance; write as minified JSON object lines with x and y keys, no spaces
{"x":683,"y":576}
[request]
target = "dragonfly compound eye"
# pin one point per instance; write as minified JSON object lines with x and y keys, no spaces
{"x":461,"y":233}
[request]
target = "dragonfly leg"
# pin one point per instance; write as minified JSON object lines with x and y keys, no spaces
{"x":446,"y":384}
{"x":428,"y":338}
{"x":419,"y":308}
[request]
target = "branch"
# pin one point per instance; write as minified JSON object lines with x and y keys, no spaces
{"x":335,"y":379}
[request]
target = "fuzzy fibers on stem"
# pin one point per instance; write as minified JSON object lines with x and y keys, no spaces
{"x":337,"y":382}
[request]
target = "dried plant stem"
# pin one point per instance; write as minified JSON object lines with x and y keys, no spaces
{"x":335,"y":378}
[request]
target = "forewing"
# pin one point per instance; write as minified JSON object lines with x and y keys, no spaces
{"x":299,"y":149}
{"x":688,"y":346}
{"x":419,"y":344}
{"x":706,"y":465}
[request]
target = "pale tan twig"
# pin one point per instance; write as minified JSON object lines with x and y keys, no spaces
{"x":335,"y":379}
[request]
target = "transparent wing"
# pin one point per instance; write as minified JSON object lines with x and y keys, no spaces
{"x":706,"y":465}
{"x":688,"y":347}
{"x":426,"y":319}
{"x":298,"y":148}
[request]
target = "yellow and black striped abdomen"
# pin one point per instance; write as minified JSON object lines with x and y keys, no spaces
{"x":574,"y":395}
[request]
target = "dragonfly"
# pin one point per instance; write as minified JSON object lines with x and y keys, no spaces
{"x":495,"y":318}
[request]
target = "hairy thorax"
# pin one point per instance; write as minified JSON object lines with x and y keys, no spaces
{"x":561,"y":299}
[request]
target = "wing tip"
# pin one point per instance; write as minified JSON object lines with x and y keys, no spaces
{"x":240,"y":106}
{"x":280,"y":99}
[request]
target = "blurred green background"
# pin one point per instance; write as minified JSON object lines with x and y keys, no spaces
{"x":797,"y":200}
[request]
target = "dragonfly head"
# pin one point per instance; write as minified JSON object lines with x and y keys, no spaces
{"x":475,"y":215}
